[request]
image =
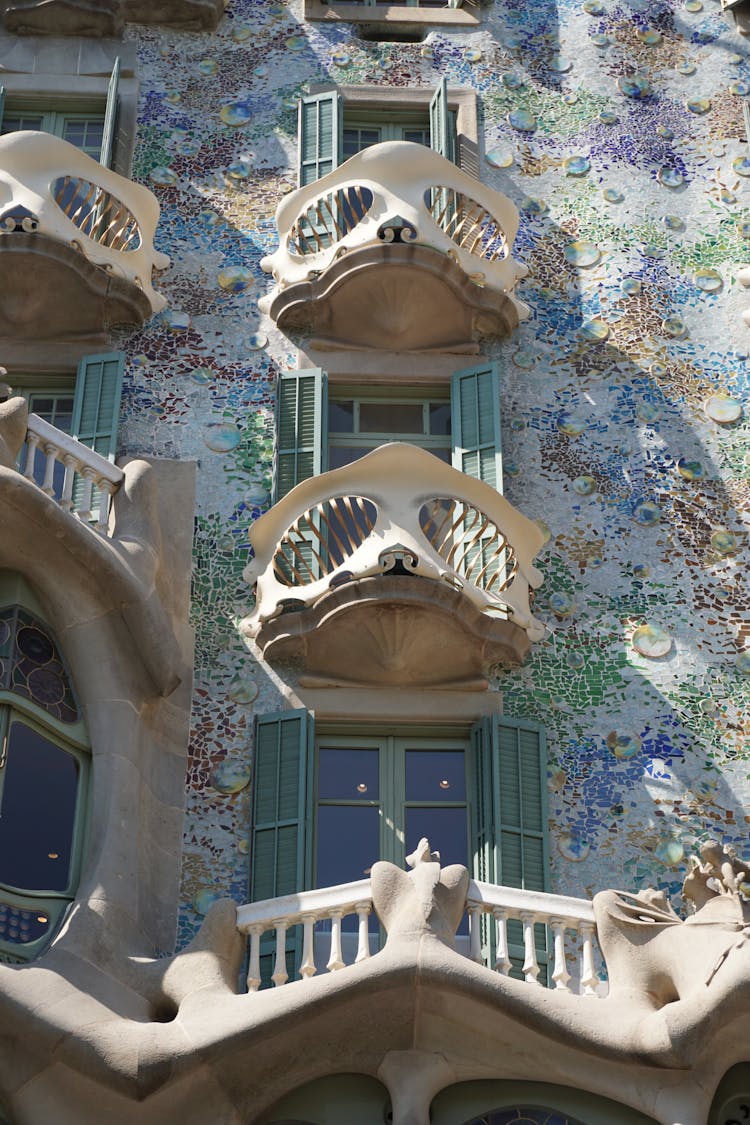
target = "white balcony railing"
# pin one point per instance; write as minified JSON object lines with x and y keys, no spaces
{"x":327,"y":946}
{"x":79,"y":479}
{"x":50,"y":187}
{"x":399,"y":504}
{"x":397,"y":191}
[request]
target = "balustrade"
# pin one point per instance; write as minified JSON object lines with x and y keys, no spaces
{"x":325,"y":946}
{"x":399,"y":504}
{"x":81,"y":480}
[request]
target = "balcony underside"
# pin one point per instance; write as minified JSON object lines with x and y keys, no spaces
{"x":50,"y":291}
{"x":106,"y":18}
{"x":393,"y":630}
{"x":405,"y":297}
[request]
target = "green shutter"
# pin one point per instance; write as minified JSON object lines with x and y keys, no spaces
{"x":280,"y":851}
{"x":442,"y":123}
{"x":475,"y":423}
{"x":96,"y":407}
{"x":521,"y":809}
{"x":301,"y":428}
{"x":110,"y":117}
{"x":483,"y":817}
{"x":319,"y":135}
{"x":2,"y":105}
{"x":520,"y":771}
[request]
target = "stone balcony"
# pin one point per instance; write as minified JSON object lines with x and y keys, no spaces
{"x":400,"y":248}
{"x":76,"y":245}
{"x":106,"y":18}
{"x":396,"y":569}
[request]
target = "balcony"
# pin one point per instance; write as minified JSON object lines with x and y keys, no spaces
{"x":73,"y":520}
{"x":329,"y":944}
{"x":395,"y":569}
{"x":106,"y":18}
{"x":77,"y":248}
{"x":397,"y":248}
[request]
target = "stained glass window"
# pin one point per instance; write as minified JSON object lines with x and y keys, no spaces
{"x":524,"y":1115}
{"x":30,"y":665}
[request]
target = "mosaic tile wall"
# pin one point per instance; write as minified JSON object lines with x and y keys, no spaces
{"x":617,"y":129}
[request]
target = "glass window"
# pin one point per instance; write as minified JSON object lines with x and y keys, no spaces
{"x":376,"y":798}
{"x":43,"y":774}
{"x":358,"y":424}
{"x":358,"y":135}
{"x":84,"y":130}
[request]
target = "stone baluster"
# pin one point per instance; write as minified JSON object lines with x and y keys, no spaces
{"x":589,"y":979}
{"x":106,"y":492}
{"x":32,"y":444}
{"x":336,"y":960}
{"x":530,"y":963}
{"x":502,"y":956}
{"x":279,"y":975}
{"x":253,"y":968}
{"x":48,"y":484}
{"x":308,"y":968}
{"x":560,"y":974}
{"x":84,"y":508}
{"x":363,"y":944}
{"x":66,"y":499}
{"x":475,"y":931}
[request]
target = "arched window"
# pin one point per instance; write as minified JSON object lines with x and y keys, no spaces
{"x":44,"y":764}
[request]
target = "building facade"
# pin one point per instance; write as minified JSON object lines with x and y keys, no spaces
{"x":373,"y":479}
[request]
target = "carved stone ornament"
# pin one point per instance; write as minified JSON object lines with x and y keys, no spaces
{"x":398,"y":245}
{"x":653,"y":953}
{"x":76,"y":244}
{"x":426,"y":900}
{"x":106,"y":18}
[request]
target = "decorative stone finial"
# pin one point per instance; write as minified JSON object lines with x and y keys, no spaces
{"x":426,"y":900}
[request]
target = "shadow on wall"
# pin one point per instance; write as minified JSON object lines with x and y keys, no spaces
{"x":603,"y":399}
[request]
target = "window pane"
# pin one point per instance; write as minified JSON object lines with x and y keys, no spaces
{"x":391,"y":418}
{"x":14,"y":124}
{"x":440,"y":418}
{"x":347,"y":774}
{"x":339,"y":455}
{"x":355,"y":140}
{"x":341,"y":417}
{"x":446,"y":829}
{"x":21,"y":925}
{"x":348,"y":843}
{"x":40,"y":790}
{"x":435,"y":775}
{"x":417,"y":136}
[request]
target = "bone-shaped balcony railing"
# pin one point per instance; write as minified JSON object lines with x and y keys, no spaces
{"x":329,"y":944}
{"x":396,"y":191}
{"x":50,"y":187}
{"x":81,"y":480}
{"x":397,"y":507}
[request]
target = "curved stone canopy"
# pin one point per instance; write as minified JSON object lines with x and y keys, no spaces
{"x":50,"y":291}
{"x":407,"y":296}
{"x":394,"y":630}
{"x":106,"y":18}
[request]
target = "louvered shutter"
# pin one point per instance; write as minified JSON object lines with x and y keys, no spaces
{"x":475,"y":423}
{"x":319,"y":135}
{"x":441,"y":129}
{"x":482,"y":828}
{"x":520,"y":775}
{"x":281,"y":855}
{"x":110,"y":116}
{"x":2,"y":106}
{"x":301,"y":428}
{"x":96,"y":407}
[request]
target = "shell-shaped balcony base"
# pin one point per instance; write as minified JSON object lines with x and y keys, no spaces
{"x":406,"y":297}
{"x":106,"y":18}
{"x":393,"y":630}
{"x":51,"y":292}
